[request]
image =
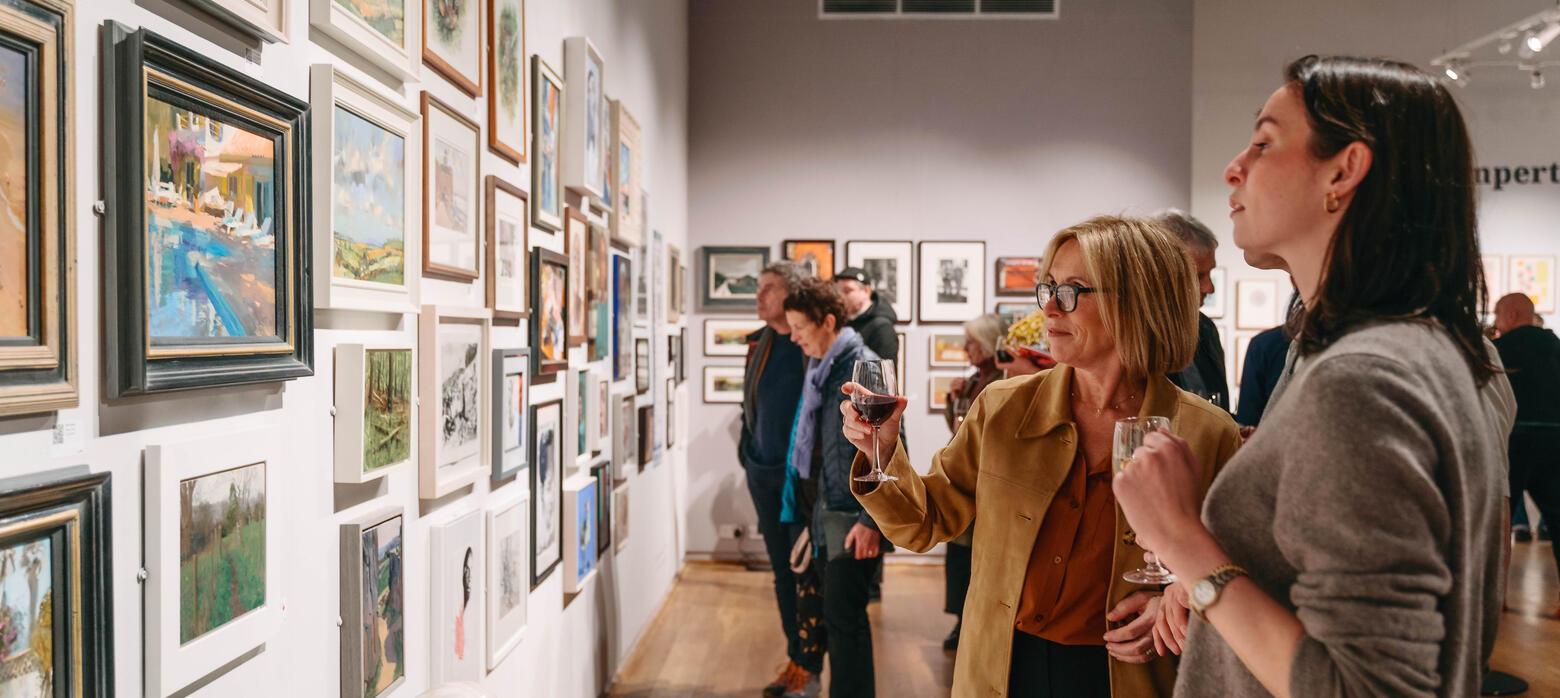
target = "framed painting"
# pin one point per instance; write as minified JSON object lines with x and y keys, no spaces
{"x":729,"y":337}
{"x":1017,"y":276}
{"x":546,"y":489}
{"x":602,"y":409}
{"x":373,"y":604}
{"x":641,"y":365}
{"x":625,"y":435}
{"x":584,"y":112}
{"x":723,"y":384}
{"x":506,"y":81}
{"x":681,"y":365}
{"x":671,"y":412}
{"x":646,"y":435}
{"x":576,"y":401}
{"x":580,"y":520}
{"x":208,"y":518}
{"x":953,"y":284}
{"x":367,"y":148}
{"x":628,"y":216}
{"x":620,"y":516}
{"x":655,"y":277}
{"x":511,"y":442}
{"x":452,"y":151}
{"x":622,"y":317}
{"x":592,"y":409}
{"x":373,"y":411}
{"x":674,"y":351}
{"x":889,"y":264}
{"x":816,"y":256}
{"x":384,"y":32}
{"x":641,"y":266}
{"x":452,"y":348}
{"x":549,"y":324}
{"x":508,"y":246}
{"x":38,"y":320}
{"x":674,"y":286}
{"x":452,"y":41}
{"x":509,"y":571}
{"x":1213,"y":303}
{"x":1535,"y":276}
{"x":205,"y":253}
{"x":899,"y":363}
{"x":598,"y":295}
{"x":730,"y":278}
{"x":547,"y":143}
{"x":602,"y":474}
{"x":457,"y":617}
{"x":947,"y":350}
{"x":1256,"y":304}
{"x":575,"y":229}
{"x":1013,"y":312}
{"x":265,"y":20}
{"x":937,"y":387}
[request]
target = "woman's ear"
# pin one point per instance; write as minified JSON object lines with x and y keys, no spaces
{"x":1350,"y":166}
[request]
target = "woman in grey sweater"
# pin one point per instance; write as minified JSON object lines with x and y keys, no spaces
{"x":1353,"y":546}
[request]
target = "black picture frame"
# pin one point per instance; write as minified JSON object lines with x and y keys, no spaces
{"x":539,"y":575}
{"x":138,"y":65}
{"x":545,"y":369}
{"x":646,"y":435}
{"x":707,"y":297}
{"x":602,"y":472}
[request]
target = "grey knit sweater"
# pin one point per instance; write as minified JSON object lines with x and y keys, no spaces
{"x":1370,"y":503}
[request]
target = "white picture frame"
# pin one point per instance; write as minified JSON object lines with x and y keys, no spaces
{"x":509,"y":571}
{"x":350,"y":411}
{"x":585,"y":137}
{"x":576,"y":417}
{"x":353,"y":578}
{"x":1213,"y":305}
{"x":398,"y":57}
{"x":1256,"y":304}
{"x":458,"y":546}
{"x":596,"y":430}
{"x":714,"y":392}
{"x":510,"y":437}
{"x":1535,"y":276}
{"x":579,"y":529}
{"x":946,"y":350}
{"x":620,"y":518}
{"x":265,"y":20}
{"x":626,"y":160}
{"x":952,"y":280}
{"x":625,"y":436}
{"x":548,"y":129}
{"x":721,"y":334}
{"x":446,"y":465}
{"x":174,"y":662}
{"x":891,"y":264}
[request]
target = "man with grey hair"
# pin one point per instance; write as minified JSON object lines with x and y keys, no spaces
{"x":1205,"y":376}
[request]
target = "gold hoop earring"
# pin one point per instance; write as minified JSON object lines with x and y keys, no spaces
{"x":1330,"y":202}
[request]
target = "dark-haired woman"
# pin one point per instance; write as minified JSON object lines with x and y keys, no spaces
{"x":1352,"y":547}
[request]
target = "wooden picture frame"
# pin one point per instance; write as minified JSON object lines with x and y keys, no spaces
{"x":952,"y":283}
{"x":1017,"y":276}
{"x":627,"y":156}
{"x":547,"y":97}
{"x":625,"y":435}
{"x":440,"y":35}
{"x":452,"y":353}
{"x":598,"y":275}
{"x":509,"y":571}
{"x":510,"y":440}
{"x":546,"y":474}
{"x":717,"y":390}
{"x":395,"y":55}
{"x":375,"y":411}
{"x":375,"y":541}
{"x":937,"y":385}
{"x":549,"y":324}
{"x":674,"y":286}
{"x":450,"y":237}
{"x":267,"y":335}
{"x":506,"y":105}
{"x":816,"y":256}
{"x":585,"y":119}
{"x":265,"y":20}
{"x":891,"y":264}
{"x":507,"y":229}
{"x":729,"y":276}
{"x":580,"y":533}
{"x":575,"y":229}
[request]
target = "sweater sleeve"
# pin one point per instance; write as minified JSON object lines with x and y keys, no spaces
{"x":1360,"y":517}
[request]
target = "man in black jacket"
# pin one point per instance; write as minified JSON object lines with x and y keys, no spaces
{"x":1531,"y":355}
{"x":869,"y":315}
{"x":1205,"y":376}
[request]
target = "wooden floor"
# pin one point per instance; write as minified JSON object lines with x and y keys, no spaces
{"x":719,"y":633}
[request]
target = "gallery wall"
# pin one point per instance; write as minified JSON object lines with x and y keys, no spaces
{"x":572,"y":646}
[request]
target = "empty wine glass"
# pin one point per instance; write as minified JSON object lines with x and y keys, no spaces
{"x":875,"y":399}
{"x":1128,"y":437}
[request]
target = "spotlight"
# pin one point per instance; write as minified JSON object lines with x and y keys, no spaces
{"x":1537,"y":42}
{"x":1537,"y":80}
{"x":1452,"y":73}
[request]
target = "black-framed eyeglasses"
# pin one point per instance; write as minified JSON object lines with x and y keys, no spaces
{"x":1066,"y":295}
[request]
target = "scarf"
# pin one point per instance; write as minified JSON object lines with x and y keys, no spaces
{"x":805,"y":433}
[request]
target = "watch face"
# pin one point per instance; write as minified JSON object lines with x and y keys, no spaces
{"x":1204,"y":593}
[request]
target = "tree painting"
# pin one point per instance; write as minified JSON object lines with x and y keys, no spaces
{"x":222,"y":528}
{"x":387,"y":409}
{"x":384,"y":632}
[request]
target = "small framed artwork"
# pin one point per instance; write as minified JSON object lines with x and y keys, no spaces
{"x":671,"y":412}
{"x":625,"y":435}
{"x":1013,"y":312}
{"x":385,"y":32}
{"x":953,"y":284}
{"x":585,"y":112}
{"x":1494,"y":278}
{"x":594,"y":397}
{"x":655,"y":276}
{"x":580,"y":524}
{"x":452,"y":345}
{"x":723,"y":384}
{"x":508,"y":246}
{"x":547,"y":144}
{"x":506,"y":78}
{"x":511,"y":432}
{"x":265,"y":20}
{"x":373,"y":411}
{"x":680,"y":365}
{"x":890,"y":264}
{"x":598,"y":296}
{"x":642,"y":271}
{"x":367,"y":147}
{"x":815,"y":256}
{"x":622,"y":318}
{"x":575,"y":228}
{"x":1535,"y":276}
{"x":452,"y":42}
{"x":948,"y":350}
{"x":899,"y":363}
{"x":546,"y":489}
{"x":452,"y":148}
{"x":1242,"y":345}
{"x":1256,"y":304}
{"x":549,"y":324}
{"x":675,"y":284}
{"x":602,"y":474}
{"x":509,"y":576}
{"x":641,"y":365}
{"x":646,"y":436}
{"x":620,"y":516}
{"x":937,"y":387}
{"x":208,"y":518}
{"x":578,"y":398}
{"x":1213,"y":303}
{"x":731,"y":276}
{"x":628,"y":215}
{"x":373,"y":604}
{"x":457,"y":617}
{"x":1017,"y":276}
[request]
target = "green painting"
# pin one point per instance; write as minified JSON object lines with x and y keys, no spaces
{"x":368,"y":207}
{"x":384,"y":631}
{"x":509,"y":59}
{"x":221,"y":548}
{"x":387,"y":408}
{"x":388,"y":17}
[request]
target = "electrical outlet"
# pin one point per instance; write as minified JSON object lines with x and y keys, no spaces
{"x":730,"y":531}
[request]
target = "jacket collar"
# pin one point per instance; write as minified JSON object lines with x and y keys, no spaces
{"x":1051,"y":406}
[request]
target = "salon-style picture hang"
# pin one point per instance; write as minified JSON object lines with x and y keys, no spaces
{"x":206,"y":253}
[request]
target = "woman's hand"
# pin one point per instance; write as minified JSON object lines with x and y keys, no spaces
{"x":1170,"y":625}
{"x":1161,"y":493}
{"x":859,"y":433}
{"x":865,"y":542}
{"x":1133,"y":643}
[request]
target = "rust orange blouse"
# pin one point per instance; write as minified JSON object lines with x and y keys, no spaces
{"x":1065,"y":588}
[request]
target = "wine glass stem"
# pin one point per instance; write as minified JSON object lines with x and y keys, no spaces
{"x":877,"y":453}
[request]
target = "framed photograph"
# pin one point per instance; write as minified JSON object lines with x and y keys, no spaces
{"x":373,"y":411}
{"x":546,"y":490}
{"x":1256,"y":304}
{"x":452,"y":42}
{"x":620,"y":516}
{"x":1213,"y":304}
{"x":625,"y":435}
{"x":937,"y":386}
{"x":729,"y":337}
{"x":373,"y":604}
{"x":575,"y":229}
{"x":208,"y":518}
{"x":585,"y":113}
{"x":56,"y":550}
{"x":576,"y":428}
{"x":953,"y":284}
{"x":723,"y":384}
{"x":385,"y":32}
{"x":547,"y":144}
{"x":674,"y":298}
{"x":671,"y":412}
{"x":265,"y":20}
{"x":646,"y":435}
{"x":641,"y":365}
{"x":622,"y":318}
{"x":602,"y":474}
{"x":452,"y":150}
{"x":457,"y":617}
{"x":816,"y":256}
{"x":592,"y":394}
{"x":508,"y":231}
{"x":602,"y":410}
{"x":580,"y":517}
{"x":367,"y":147}
{"x":948,"y":350}
{"x":1242,"y":345}
{"x":38,"y":233}
{"x":731,"y":276}
{"x":628,"y":215}
{"x":1017,"y":276}
{"x":549,"y":326}
{"x":509,"y":571}
{"x":1494,"y":279}
{"x":899,"y":363}
{"x":598,"y":295}
{"x":205,"y":285}
{"x":1535,"y":276}
{"x":506,"y":79}
{"x":511,"y":432}
{"x":452,"y":347}
{"x":889,"y":263}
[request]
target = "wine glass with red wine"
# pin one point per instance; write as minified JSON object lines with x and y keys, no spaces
{"x":875,"y":400}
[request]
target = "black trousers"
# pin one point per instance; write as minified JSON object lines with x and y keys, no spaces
{"x":956,"y":578}
{"x":845,"y":582}
{"x":767,"y":485}
{"x":1045,"y":669}
{"x":1535,"y":468}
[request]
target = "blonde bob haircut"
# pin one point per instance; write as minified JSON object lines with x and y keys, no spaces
{"x":1146,"y":290}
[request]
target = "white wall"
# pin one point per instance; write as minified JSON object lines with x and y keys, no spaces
{"x":917,"y":130}
{"x":568,"y":650}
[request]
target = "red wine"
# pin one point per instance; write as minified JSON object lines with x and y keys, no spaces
{"x":876,"y":409}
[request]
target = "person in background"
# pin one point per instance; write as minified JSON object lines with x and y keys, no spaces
{"x":1205,"y":375}
{"x":867,"y":313}
{"x":1531,"y":355}
{"x":772,"y":387}
{"x":847,"y":546}
{"x":1261,"y":369}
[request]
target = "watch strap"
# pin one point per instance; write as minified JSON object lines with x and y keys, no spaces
{"x":1219,"y":577}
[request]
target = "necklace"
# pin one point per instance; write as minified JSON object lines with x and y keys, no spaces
{"x":1114,"y":408}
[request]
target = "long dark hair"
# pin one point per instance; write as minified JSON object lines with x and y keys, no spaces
{"x":1408,"y":245}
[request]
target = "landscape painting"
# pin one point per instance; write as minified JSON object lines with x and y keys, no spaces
{"x":368,"y":221}
{"x":384,"y":608}
{"x":459,"y":408}
{"x":28,"y":629}
{"x":387,"y":408}
{"x":731,"y":275}
{"x":1017,"y":276}
{"x":387,"y":17}
{"x":211,"y":201}
{"x":222,"y":522}
{"x":15,"y":197}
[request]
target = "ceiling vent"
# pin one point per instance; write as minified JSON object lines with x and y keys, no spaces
{"x":938,"y":9}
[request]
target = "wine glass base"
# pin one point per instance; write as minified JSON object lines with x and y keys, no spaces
{"x":876,"y":477}
{"x":1149,"y":577}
